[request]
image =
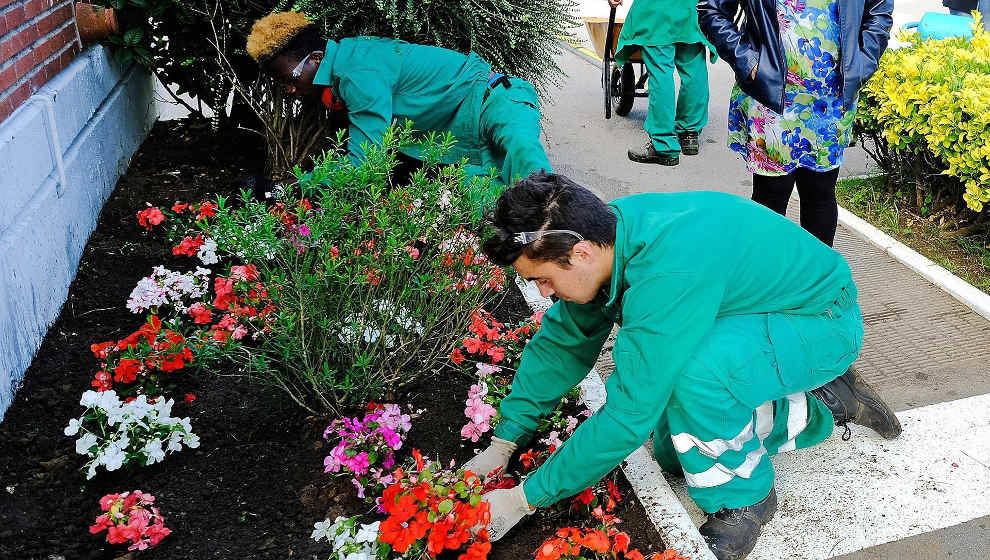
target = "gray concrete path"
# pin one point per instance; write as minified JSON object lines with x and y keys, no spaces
{"x":921,"y":347}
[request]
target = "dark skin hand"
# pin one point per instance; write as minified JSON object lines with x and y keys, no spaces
{"x":282,"y":66}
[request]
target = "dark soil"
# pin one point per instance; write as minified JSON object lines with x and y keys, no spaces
{"x":255,"y":486}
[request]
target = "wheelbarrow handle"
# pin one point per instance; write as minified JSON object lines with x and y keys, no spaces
{"x":608,"y":35}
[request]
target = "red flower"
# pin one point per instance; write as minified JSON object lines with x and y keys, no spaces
{"x":401,"y":534}
{"x":127,"y":370}
{"x":102,"y":382}
{"x":476,"y":345}
{"x":585,"y":498}
{"x":224,"y":287}
{"x":200,"y":314}
{"x":247,"y":272}
{"x":529,"y":458}
{"x":620,"y":542}
{"x":456,"y":356}
{"x":497,"y":354}
{"x":334,"y":252}
{"x":172,"y":362}
{"x":150,"y":217}
{"x":189,"y":397}
{"x":102,"y":349}
{"x":206,"y":210}
{"x":552,"y":549}
{"x":613,"y":491}
{"x":595,"y":540}
{"x":419,"y":460}
{"x":178,"y":208}
{"x":188,"y":246}
{"x":477,"y":551}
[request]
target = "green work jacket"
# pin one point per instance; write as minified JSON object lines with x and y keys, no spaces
{"x":384,"y":79}
{"x":681,"y":261}
{"x":655,"y":23}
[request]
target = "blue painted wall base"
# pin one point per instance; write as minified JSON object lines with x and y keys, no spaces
{"x":61,"y":154}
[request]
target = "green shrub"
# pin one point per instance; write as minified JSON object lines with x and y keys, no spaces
{"x":373,"y":283}
{"x":927,"y":112}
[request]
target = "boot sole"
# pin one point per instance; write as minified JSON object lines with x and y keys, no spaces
{"x":690,"y":151}
{"x":666,"y":162}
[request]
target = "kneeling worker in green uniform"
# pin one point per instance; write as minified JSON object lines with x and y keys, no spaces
{"x":737,"y":330}
{"x":494,"y":118}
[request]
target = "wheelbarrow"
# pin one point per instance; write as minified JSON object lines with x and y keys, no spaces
{"x":620,"y":85}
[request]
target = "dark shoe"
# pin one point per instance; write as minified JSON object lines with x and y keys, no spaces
{"x":852,"y":400}
{"x":649,"y":154}
{"x":689,"y":143}
{"x":732,"y":533}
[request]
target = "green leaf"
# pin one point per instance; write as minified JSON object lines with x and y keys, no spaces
{"x":475,"y":499}
{"x":445,"y":506}
{"x":133,"y":36}
{"x":460,"y":487}
{"x":138,"y":3}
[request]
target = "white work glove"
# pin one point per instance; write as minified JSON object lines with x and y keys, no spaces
{"x":507,"y":507}
{"x":496,"y":455}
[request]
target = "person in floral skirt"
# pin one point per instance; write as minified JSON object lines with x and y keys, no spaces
{"x":799,"y":65}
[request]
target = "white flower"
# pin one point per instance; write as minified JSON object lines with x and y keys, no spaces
{"x":320,"y":530}
{"x":73,"y":427}
{"x":175,"y":441}
{"x":107,"y":400}
{"x":90,"y":398}
{"x":365,"y":553}
{"x":191,"y":440}
{"x":153,"y":449}
{"x":208,"y":252}
{"x":91,"y":471}
{"x":84,"y":443}
{"x":113,"y":456}
{"x":367,"y":533}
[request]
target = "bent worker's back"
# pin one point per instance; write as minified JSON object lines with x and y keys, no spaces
{"x":761,"y":261}
{"x":381,"y":79}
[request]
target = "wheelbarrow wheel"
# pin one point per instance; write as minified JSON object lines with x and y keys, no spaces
{"x":623,"y":89}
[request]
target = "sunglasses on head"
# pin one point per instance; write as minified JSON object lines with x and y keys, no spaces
{"x":297,"y":71}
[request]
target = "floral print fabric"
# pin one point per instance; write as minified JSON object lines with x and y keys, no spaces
{"x":814,"y":130}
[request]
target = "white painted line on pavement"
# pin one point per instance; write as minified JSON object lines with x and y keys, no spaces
{"x":844,"y":496}
{"x":958,"y":288}
{"x":662,"y":506}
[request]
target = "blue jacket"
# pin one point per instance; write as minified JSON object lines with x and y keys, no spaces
{"x":864,"y":31}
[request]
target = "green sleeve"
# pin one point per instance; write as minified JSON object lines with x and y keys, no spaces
{"x":557,"y":359}
{"x":665,"y":318}
{"x":369,"y":106}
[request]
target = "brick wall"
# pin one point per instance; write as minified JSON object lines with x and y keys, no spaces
{"x":38,"y":38}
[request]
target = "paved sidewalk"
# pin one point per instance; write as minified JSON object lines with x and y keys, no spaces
{"x":921,"y":348}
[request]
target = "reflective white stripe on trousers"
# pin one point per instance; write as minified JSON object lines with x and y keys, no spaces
{"x":718,"y":474}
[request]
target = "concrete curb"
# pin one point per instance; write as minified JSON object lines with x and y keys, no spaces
{"x":958,"y":288}
{"x":662,"y":507}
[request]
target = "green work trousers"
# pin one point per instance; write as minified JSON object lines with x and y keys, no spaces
{"x":689,"y":113}
{"x":510,"y":128}
{"x":744,"y":398}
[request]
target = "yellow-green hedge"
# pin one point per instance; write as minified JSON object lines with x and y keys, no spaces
{"x":934,"y":96}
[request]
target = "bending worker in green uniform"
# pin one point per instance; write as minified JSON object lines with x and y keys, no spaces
{"x":494,"y":118}
{"x":667,"y":34}
{"x":737,"y":329}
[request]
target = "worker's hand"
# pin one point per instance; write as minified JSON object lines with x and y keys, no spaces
{"x":507,"y":507}
{"x":752,"y":75}
{"x":496,"y":456}
{"x":615,"y":3}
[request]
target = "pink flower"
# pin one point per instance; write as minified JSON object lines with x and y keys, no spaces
{"x":484,"y":370}
{"x":478,"y":391}
{"x":239,"y":332}
{"x":479,"y":411}
{"x":413,"y":252}
{"x":473,"y":431}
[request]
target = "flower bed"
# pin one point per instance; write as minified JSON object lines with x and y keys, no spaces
{"x":251,"y":480}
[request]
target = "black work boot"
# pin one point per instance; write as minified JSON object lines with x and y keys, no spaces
{"x":852,"y":400}
{"x":649,"y":154}
{"x":732,"y":533}
{"x":689,"y":143}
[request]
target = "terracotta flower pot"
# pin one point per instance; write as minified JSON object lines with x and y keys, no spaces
{"x":95,"y":22}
